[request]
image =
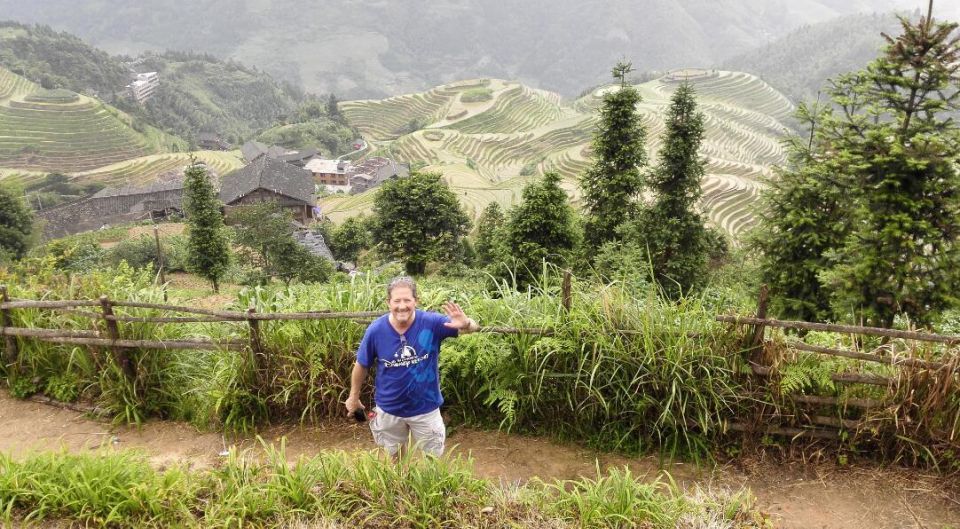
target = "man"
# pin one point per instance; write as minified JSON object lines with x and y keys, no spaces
{"x":405,"y":345}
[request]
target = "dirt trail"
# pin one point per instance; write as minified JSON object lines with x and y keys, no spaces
{"x":797,"y":496}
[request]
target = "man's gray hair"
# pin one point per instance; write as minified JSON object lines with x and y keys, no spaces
{"x":402,"y":281}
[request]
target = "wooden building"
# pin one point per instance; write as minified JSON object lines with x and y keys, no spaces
{"x":270,"y":179}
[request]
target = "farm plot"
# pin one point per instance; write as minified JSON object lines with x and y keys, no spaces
{"x":65,"y":137}
{"x":490,"y":149}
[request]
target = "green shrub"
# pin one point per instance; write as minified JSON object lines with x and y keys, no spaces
{"x":476,"y":95}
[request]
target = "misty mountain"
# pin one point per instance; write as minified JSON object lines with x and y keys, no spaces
{"x":801,"y":63}
{"x":376,"y":48}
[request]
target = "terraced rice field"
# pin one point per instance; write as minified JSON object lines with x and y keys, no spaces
{"x":147,"y":169}
{"x":488,"y":150}
{"x":65,"y":137}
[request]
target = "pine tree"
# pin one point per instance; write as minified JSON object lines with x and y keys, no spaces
{"x":901,"y":257}
{"x":805,"y":216}
{"x":867,"y":216}
{"x":490,"y":236}
{"x":208,"y":249}
{"x":672,"y":230}
{"x":541,"y":228}
{"x":417,"y":220}
{"x":611,"y":187}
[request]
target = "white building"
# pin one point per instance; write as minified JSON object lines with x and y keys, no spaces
{"x":143,"y":87}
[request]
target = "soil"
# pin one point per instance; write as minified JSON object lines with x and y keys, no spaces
{"x":808,"y":496}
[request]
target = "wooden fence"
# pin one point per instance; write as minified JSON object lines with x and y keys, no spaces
{"x":108,"y":333}
{"x":108,"y":336}
{"x":756,"y":350}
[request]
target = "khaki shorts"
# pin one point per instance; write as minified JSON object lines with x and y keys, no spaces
{"x":391,"y":432}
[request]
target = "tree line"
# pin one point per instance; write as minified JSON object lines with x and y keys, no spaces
{"x":861,"y":224}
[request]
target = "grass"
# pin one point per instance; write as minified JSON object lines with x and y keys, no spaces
{"x":337,"y":489}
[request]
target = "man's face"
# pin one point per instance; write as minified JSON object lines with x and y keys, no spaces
{"x":402,"y":304}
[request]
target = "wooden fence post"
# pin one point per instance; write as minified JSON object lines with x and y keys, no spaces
{"x":756,"y":341}
{"x":7,"y":321}
{"x":163,"y":279}
{"x":113,"y":332}
{"x":566,"y":289}
{"x":260,"y":360}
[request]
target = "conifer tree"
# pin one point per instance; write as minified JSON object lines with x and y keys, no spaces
{"x":208,"y":249}
{"x":865,"y":222}
{"x":490,"y":236}
{"x":672,"y":229}
{"x":541,"y":228}
{"x":611,"y":187}
{"x":804,"y":218}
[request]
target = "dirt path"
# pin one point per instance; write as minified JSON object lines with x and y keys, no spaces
{"x":797,"y":496}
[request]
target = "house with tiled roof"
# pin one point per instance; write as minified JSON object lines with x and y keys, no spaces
{"x":265,"y":179}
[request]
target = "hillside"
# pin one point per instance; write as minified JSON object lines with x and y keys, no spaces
{"x":59,"y":130}
{"x":198,"y":93}
{"x":800,"y":63}
{"x":94,"y":144}
{"x":506,"y":133}
{"x":380,"y":48}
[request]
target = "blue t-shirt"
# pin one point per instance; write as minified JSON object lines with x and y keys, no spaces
{"x":408,"y":372}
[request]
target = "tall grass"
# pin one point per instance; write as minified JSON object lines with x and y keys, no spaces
{"x":341,"y":489}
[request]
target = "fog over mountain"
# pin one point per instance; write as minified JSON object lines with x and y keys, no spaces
{"x":377,"y":48}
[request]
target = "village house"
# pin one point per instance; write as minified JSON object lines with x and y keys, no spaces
{"x":331,"y":173}
{"x":374,"y":171}
{"x":212,"y":142}
{"x":267,"y":178}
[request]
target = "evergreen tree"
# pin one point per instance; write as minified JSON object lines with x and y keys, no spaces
{"x":541,"y":228}
{"x":417,"y":220}
{"x":902,"y":255}
{"x":868,"y":210}
{"x":16,"y":225}
{"x":208,"y":249}
{"x":804,"y":217}
{"x":611,"y":187}
{"x":672,"y":229}
{"x":490,"y":236}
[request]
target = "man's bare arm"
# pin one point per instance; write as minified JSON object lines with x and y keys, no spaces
{"x":357,"y":377}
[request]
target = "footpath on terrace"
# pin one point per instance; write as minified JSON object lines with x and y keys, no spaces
{"x":819,"y":495}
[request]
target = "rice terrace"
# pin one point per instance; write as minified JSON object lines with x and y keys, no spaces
{"x":678,"y":298}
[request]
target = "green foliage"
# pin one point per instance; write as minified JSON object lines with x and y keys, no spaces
{"x":347,"y":240}
{"x":490,"y":245}
{"x":208,"y":252}
{"x":142,"y":252}
{"x":900,"y":256}
{"x":541,"y":228}
{"x":418,"y":220}
{"x":476,"y":95}
{"x":265,"y":233}
{"x":16,"y":224}
{"x":804,"y":215}
{"x":672,"y":229}
{"x":865,"y":223}
{"x":340,"y":489}
{"x":312,"y":126}
{"x":613,"y":184}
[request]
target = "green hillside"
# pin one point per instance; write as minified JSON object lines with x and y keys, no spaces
{"x":800,"y":63}
{"x":489,"y":149}
{"x":58,"y":130}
